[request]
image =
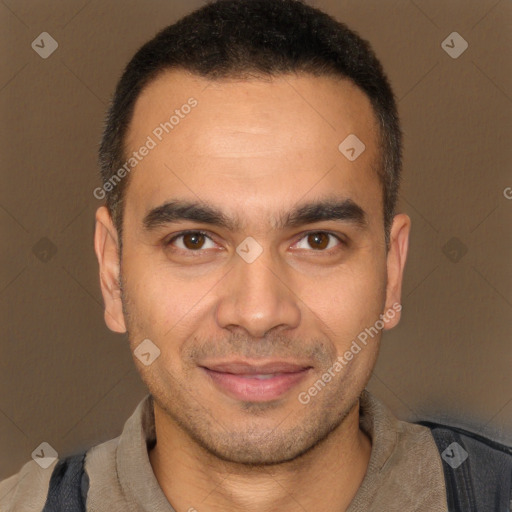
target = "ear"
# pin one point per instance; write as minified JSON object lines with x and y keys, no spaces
{"x":397,"y":254}
{"x":106,"y":248}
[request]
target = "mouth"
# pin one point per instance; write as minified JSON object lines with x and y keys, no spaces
{"x":256,"y":382}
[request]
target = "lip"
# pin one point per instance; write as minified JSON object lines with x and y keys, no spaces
{"x":239,"y":379}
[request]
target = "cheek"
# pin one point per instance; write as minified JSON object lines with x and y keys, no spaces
{"x":350,"y":301}
{"x":161,"y":302}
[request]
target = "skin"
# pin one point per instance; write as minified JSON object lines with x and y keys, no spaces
{"x":255,"y":149}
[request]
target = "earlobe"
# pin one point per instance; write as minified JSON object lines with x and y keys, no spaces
{"x":106,"y":249}
{"x":396,"y":258}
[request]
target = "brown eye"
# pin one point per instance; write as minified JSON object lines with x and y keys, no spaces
{"x":318,"y":240}
{"x":321,"y":241}
{"x":191,"y":241}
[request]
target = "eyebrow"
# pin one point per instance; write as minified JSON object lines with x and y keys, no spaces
{"x":329,"y":209}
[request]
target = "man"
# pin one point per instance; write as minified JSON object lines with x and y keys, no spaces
{"x":249,"y":247}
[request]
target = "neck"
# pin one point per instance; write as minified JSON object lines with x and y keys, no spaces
{"x":326,"y":478}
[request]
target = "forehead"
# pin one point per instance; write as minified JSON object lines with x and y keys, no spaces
{"x":323,"y":104}
{"x":249,"y":143}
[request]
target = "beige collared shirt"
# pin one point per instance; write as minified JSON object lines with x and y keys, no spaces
{"x":405,"y":472}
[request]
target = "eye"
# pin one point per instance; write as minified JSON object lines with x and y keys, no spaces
{"x":195,"y":241}
{"x":320,"y":241}
{"x":190,"y":241}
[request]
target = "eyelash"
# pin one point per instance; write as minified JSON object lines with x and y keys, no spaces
{"x":168,"y":243}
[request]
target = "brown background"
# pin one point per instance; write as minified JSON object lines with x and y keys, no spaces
{"x":67,"y":380}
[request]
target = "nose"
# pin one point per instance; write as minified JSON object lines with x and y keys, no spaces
{"x":258,"y":297}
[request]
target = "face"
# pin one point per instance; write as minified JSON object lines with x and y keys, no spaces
{"x":253,"y":258}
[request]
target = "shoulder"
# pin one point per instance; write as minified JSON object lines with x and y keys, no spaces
{"x":37,"y":489}
{"x":27,"y":489}
{"x":473,"y":443}
{"x":477,"y":469}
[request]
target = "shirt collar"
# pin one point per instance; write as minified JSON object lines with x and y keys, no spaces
{"x":381,"y":426}
{"x":134,"y":469}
